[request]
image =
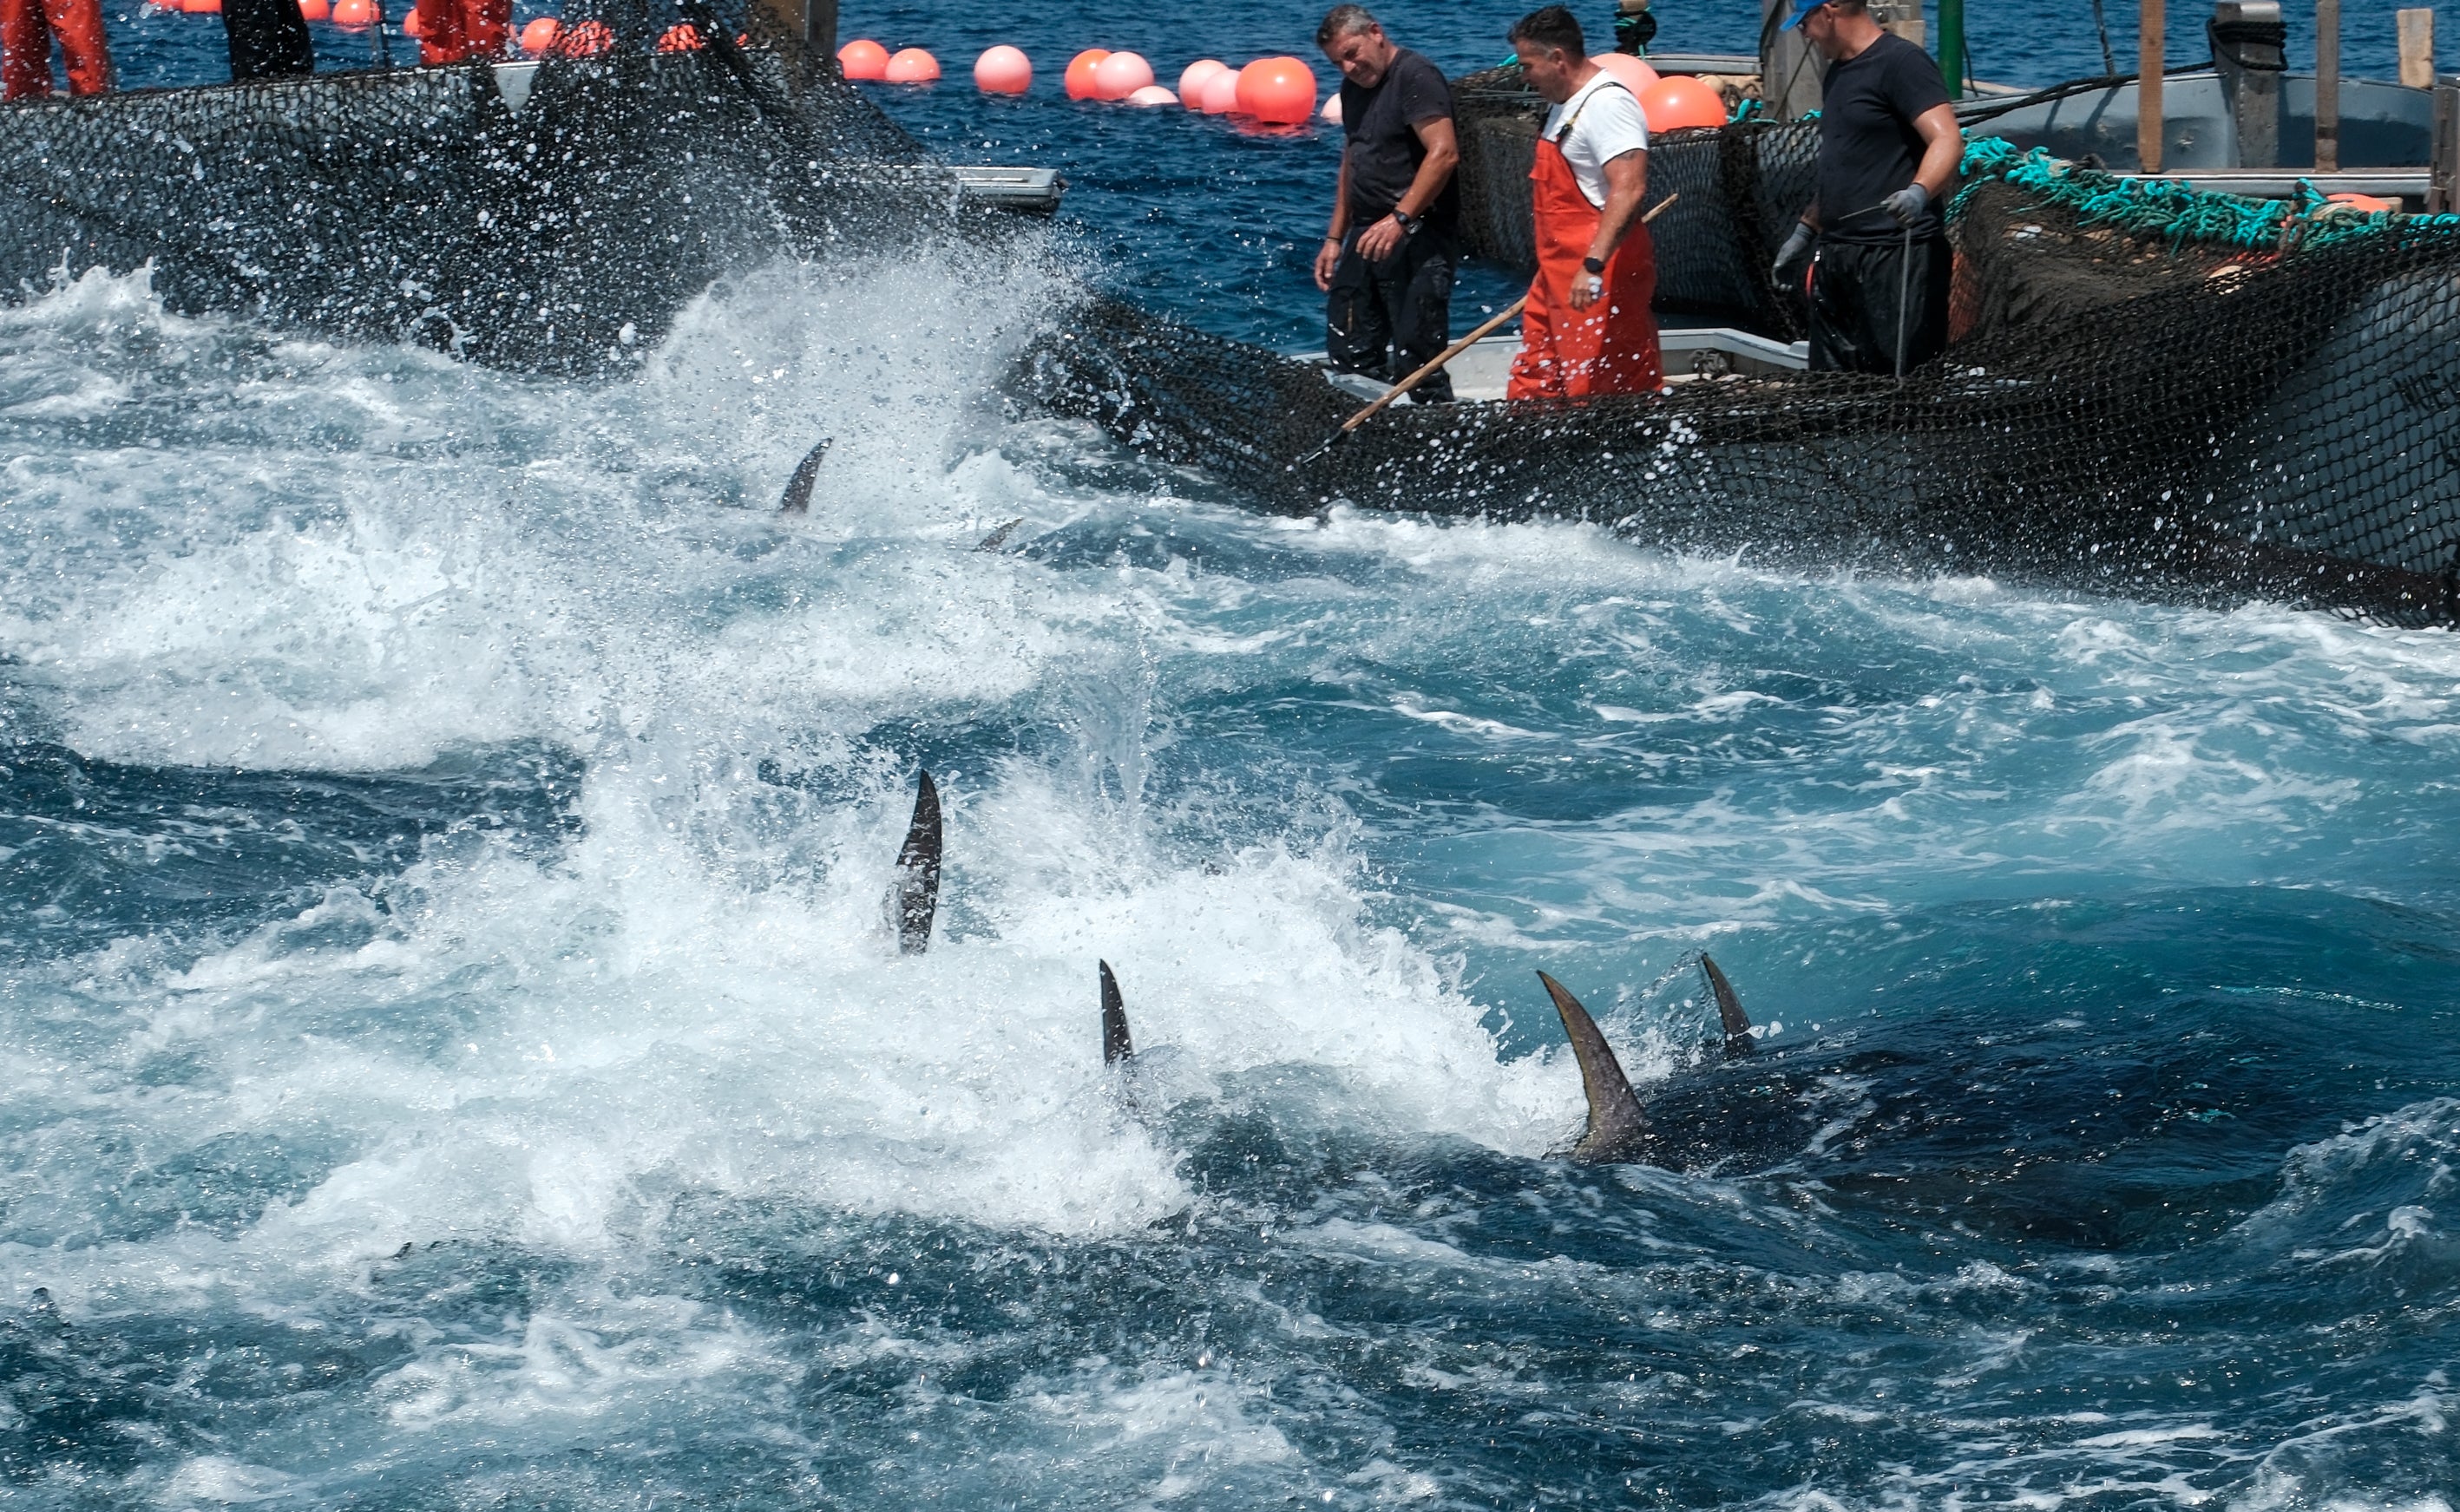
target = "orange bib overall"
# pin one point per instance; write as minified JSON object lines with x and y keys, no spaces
{"x":26,"y":30}
{"x":1611,"y":346}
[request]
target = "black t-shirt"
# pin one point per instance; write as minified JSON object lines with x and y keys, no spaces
{"x":1383,"y":152}
{"x":1868,"y":147}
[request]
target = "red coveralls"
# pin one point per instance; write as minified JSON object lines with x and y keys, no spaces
{"x":1611,"y":346}
{"x":26,"y":28}
{"x":458,"y":31}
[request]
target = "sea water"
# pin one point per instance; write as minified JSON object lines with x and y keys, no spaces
{"x":455,"y":1056}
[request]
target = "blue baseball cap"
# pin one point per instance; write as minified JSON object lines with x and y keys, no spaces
{"x":1801,"y":8}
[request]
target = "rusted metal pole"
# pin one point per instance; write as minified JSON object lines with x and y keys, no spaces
{"x":2328,"y":86}
{"x":2148,"y":54}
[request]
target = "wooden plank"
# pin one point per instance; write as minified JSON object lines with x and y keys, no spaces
{"x":2149,"y":55}
{"x":2442,"y":188}
{"x":2417,"y":49}
{"x":2328,"y":86}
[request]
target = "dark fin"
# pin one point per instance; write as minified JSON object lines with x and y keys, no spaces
{"x":799,"y":488}
{"x":41,"y":1306}
{"x":999,"y":537}
{"x":1616,"y":1126}
{"x":917,"y":897}
{"x":1115,"y":1044}
{"x":1729,"y":1008}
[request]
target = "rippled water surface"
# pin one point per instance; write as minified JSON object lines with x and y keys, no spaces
{"x":455,"y":1057}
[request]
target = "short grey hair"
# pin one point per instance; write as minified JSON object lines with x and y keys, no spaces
{"x":1341,"y":21}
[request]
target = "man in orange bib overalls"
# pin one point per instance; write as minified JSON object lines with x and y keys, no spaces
{"x":1587,"y":328}
{"x":26,"y":30}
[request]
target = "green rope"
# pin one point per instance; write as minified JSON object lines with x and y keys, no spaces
{"x":2174,"y":210}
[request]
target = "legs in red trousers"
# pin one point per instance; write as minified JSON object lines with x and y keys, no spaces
{"x":28,"y":28}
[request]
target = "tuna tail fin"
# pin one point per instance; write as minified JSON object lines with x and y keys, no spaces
{"x":916,"y":898}
{"x":1729,"y":1008}
{"x":1617,"y":1125}
{"x":807,"y":472}
{"x":1115,"y":1044}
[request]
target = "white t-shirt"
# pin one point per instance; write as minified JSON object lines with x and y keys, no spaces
{"x":1606,"y":123}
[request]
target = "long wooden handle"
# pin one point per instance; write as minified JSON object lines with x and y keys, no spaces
{"x":1464,"y":344}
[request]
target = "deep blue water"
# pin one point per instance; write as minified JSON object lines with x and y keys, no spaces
{"x":454,"y":1055}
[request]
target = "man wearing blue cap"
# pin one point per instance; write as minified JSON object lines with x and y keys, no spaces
{"x":1888,"y":147}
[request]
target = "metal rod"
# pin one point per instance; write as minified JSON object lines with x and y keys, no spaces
{"x":2328,"y":86}
{"x":1951,"y":46}
{"x":2150,"y":53}
{"x":2417,"y":49}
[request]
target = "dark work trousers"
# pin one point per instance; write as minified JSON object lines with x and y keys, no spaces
{"x":1389,"y":319}
{"x":269,"y":39}
{"x":1853,"y":293}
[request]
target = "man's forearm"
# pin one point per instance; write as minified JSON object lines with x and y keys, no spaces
{"x":1433,"y":175}
{"x":1341,"y":202}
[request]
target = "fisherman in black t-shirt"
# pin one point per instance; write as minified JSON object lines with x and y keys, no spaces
{"x":1386,"y":264}
{"x":1888,"y":146}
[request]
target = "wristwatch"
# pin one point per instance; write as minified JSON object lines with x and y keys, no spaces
{"x":1593,"y":264}
{"x":1409,"y":224}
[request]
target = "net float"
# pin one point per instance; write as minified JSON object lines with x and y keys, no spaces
{"x":1002,"y":70}
{"x":1121,"y":75}
{"x":1679,"y":100}
{"x":1152,"y":95}
{"x":539,"y":35}
{"x":681,"y":37}
{"x":1080,"y":74}
{"x":1276,"y":90}
{"x":912,"y":66}
{"x":1196,"y":76}
{"x":863,"y":58}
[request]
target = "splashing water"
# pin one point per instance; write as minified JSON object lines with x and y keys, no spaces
{"x":455,"y":1055}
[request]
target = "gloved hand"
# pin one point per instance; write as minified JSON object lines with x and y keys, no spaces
{"x":1797,"y":246}
{"x":1906,"y":203}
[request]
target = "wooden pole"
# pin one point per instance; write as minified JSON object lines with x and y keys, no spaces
{"x":2443,"y":172}
{"x":2149,"y":55}
{"x":2417,"y":49}
{"x":2328,"y":86}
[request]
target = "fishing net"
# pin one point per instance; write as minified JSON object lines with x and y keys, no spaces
{"x":557,"y":228}
{"x":2150,"y":392}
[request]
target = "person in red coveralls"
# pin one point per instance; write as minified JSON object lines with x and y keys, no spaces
{"x":1587,"y":328}
{"x":28,"y":28}
{"x":461,"y":31}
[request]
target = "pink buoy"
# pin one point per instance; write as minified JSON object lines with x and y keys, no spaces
{"x":1002,"y":71}
{"x":912,"y":66}
{"x":1120,"y":74}
{"x":1331,"y":111}
{"x":1152,"y":95}
{"x":1195,"y":76}
{"x":863,"y":58}
{"x":1220,"y":93}
{"x":1633,"y":75}
{"x":539,"y":35}
{"x":1278,"y":91}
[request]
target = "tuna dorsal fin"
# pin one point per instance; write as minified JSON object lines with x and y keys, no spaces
{"x":1729,"y":1010}
{"x":916,"y":897}
{"x":1115,"y":1044}
{"x":1615,"y":1124}
{"x":998,"y":538}
{"x":807,"y":472}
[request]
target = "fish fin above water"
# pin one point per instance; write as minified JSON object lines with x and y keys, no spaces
{"x":999,"y":537}
{"x":916,"y":896}
{"x":1116,"y":1047}
{"x":798,"y":500}
{"x":1729,"y":1010}
{"x":1616,"y":1126}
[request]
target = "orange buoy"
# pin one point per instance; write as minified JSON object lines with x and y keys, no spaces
{"x":539,"y":35}
{"x":1220,"y":93}
{"x":1152,"y":95}
{"x":1276,"y":90}
{"x":314,"y":9}
{"x":1193,"y":78}
{"x":912,"y":66}
{"x":355,"y":13}
{"x":1634,"y":74}
{"x":1121,"y":75}
{"x":1080,"y":74}
{"x":1002,"y":71}
{"x":1679,"y":100}
{"x":585,"y":39}
{"x":201,"y":7}
{"x":863,"y":58}
{"x":681,"y":37}
{"x":413,"y":24}
{"x":2362,"y":204}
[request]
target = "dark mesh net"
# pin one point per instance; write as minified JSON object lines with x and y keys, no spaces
{"x":2262,"y":408}
{"x":420,"y":203}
